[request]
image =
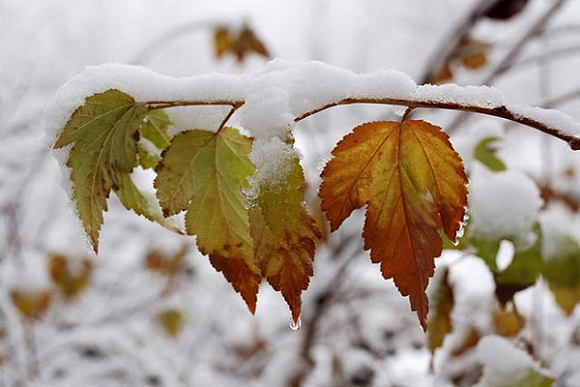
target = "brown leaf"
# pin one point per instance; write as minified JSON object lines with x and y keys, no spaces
{"x":70,"y":283}
{"x":413,"y":184}
{"x":440,"y":323}
{"x":31,"y":304}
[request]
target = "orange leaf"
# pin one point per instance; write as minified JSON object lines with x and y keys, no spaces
{"x":413,"y":183}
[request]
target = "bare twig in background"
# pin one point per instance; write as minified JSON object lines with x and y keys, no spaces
{"x":496,"y":69}
{"x":449,"y":45}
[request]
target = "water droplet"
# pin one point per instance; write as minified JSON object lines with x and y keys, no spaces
{"x":295,"y":325}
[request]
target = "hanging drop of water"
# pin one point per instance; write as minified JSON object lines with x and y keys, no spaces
{"x":295,"y":325}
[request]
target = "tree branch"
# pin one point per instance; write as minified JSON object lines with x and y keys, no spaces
{"x":500,"y":111}
{"x":450,"y":44}
{"x":509,"y":57}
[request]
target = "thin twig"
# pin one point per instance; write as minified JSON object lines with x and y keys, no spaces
{"x":509,"y":57}
{"x":228,"y":116}
{"x":154,"y":105}
{"x":449,"y":45}
{"x":549,"y":56}
{"x":173,"y":34}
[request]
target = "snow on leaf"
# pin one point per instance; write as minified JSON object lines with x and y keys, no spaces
{"x":206,"y":173}
{"x":413,"y":183}
{"x":508,"y":366}
{"x":522,"y":272}
{"x":104,"y":132}
{"x":440,"y":324}
{"x":284,"y":236}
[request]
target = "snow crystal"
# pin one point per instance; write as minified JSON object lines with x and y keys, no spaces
{"x":504,"y":364}
{"x":549,"y":117}
{"x":504,"y":205}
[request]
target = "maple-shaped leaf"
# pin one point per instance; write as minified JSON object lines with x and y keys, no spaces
{"x":104,"y":132}
{"x":154,"y":134}
{"x":413,"y":184}
{"x":284,"y":235}
{"x":440,"y":324}
{"x":206,"y":174}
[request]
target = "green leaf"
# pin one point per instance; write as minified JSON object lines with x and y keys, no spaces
{"x":206,"y":174}
{"x":104,"y":131}
{"x":155,"y":131}
{"x":155,"y":128}
{"x":562,"y":272}
{"x":485,"y":153}
{"x":522,"y":272}
{"x":284,"y":235}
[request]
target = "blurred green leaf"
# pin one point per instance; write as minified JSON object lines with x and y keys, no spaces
{"x":485,"y":153}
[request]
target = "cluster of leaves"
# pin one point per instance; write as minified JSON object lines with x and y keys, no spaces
{"x":471,"y":54}
{"x":238,"y":43}
{"x":69,"y":280}
{"x":406,"y":172}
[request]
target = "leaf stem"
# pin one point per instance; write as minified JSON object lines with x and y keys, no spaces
{"x":154,"y":105}
{"x":229,"y":115}
{"x":406,"y":114}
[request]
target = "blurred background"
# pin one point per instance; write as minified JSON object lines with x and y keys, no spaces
{"x":149,"y":310}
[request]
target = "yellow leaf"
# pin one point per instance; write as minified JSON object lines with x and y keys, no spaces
{"x":284,"y":236}
{"x":172,"y":321}
{"x":31,"y":304}
{"x":206,"y":173}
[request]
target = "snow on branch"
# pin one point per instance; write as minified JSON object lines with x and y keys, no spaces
{"x":283,"y":93}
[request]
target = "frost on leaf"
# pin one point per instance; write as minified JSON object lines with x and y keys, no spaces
{"x":206,"y":173}
{"x":284,"y":236}
{"x":413,"y":184}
